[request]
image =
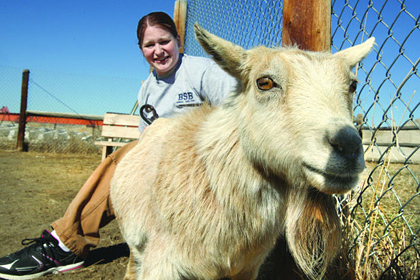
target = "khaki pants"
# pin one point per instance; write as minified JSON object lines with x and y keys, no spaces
{"x":91,"y":209}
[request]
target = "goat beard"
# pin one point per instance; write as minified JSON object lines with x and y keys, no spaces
{"x":312,"y":230}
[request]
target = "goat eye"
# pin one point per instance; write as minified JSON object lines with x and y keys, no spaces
{"x":265,"y":83}
{"x":353,"y":87}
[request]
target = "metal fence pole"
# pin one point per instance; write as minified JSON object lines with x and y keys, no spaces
{"x":307,"y":23}
{"x":20,"y":146}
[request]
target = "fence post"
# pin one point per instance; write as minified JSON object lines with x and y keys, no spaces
{"x":307,"y":23}
{"x":20,"y":146}
{"x":180,"y":19}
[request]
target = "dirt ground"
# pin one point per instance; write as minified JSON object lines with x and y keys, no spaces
{"x":35,"y":190}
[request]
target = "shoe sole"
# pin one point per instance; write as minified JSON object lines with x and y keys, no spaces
{"x":53,"y":270}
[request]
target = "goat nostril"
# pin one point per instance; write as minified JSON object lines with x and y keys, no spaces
{"x":346,"y":142}
{"x":338,"y":148}
{"x":346,"y":149}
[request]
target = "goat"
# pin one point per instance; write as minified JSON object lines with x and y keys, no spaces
{"x":205,"y":195}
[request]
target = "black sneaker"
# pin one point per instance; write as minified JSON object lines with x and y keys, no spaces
{"x":43,"y":256}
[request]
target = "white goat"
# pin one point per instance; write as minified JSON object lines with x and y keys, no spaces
{"x":205,"y":195}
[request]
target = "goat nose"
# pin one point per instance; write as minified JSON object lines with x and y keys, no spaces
{"x":346,"y":142}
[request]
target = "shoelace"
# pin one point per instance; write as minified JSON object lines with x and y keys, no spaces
{"x":36,"y":241}
{"x":29,"y":241}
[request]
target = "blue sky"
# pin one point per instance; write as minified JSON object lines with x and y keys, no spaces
{"x":87,"y":41}
{"x":76,"y":36}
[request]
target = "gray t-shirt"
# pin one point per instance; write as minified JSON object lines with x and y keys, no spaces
{"x":195,"y":80}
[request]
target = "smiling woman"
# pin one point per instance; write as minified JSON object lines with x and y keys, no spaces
{"x":161,"y":50}
{"x":159,"y":42}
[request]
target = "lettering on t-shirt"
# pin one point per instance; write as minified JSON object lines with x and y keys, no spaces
{"x":187,"y":99}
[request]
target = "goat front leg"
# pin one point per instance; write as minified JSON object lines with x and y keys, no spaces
{"x":134,"y":264}
{"x":161,"y":262}
{"x":130,"y":274}
{"x":250,"y":272}
{"x":245,"y":275}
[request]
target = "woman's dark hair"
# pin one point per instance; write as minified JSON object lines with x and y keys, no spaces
{"x":160,"y":19}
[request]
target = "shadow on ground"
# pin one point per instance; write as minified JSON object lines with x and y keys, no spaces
{"x":107,"y":255}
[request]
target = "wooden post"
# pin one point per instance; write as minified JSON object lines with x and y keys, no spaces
{"x":20,"y":146}
{"x":307,"y":24}
{"x":180,"y":19}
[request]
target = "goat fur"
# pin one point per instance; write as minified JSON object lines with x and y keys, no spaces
{"x":205,"y":195}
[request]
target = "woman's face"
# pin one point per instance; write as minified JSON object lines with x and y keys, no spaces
{"x":160,"y":49}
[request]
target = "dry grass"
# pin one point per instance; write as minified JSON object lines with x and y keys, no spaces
{"x":383,"y":224}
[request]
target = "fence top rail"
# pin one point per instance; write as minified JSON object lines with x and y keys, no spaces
{"x":64,"y":115}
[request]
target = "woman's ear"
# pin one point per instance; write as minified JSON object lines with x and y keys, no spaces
{"x":178,"y":41}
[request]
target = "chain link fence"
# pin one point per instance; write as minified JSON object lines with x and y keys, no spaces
{"x":65,"y":111}
{"x":382,"y":220}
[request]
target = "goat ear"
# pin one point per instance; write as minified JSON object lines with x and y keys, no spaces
{"x":228,"y":55}
{"x":355,"y":54}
